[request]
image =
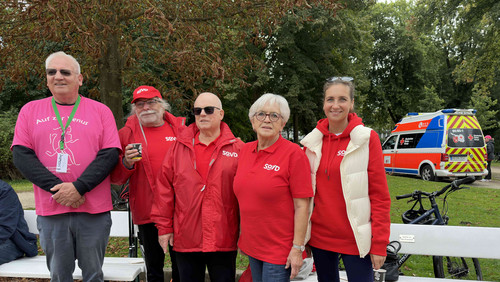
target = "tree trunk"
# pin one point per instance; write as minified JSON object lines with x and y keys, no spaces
{"x":110,"y":78}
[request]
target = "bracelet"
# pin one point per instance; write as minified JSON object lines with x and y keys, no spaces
{"x":300,"y":248}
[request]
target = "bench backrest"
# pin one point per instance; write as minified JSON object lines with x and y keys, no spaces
{"x":119,"y":228}
{"x":438,"y":240}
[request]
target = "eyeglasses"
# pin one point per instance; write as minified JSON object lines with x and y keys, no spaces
{"x":341,"y":78}
{"x":261,"y":116}
{"x":150,"y":103}
{"x":208,"y":110}
{"x":64,"y":72}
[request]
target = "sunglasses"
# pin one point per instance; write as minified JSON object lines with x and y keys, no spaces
{"x":261,"y":116}
{"x":150,"y":103}
{"x":341,"y":78}
{"x":208,"y":110}
{"x":63,"y":72}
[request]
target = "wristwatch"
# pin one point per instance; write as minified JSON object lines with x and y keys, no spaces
{"x":300,"y":248}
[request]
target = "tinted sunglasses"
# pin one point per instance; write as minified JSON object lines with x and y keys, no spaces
{"x":63,"y":72}
{"x":341,"y":78}
{"x":208,"y":110}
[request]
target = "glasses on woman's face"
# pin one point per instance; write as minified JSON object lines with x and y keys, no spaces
{"x":52,"y":72}
{"x":208,"y":110}
{"x":150,"y":103}
{"x":341,"y":78}
{"x":261,"y":116}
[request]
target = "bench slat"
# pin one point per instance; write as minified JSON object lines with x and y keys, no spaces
{"x":114,"y":268}
{"x":119,"y":228}
{"x":457,"y":241}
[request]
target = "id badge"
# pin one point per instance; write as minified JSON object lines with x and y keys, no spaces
{"x":62,"y":163}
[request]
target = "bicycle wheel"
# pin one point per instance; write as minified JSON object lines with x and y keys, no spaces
{"x":457,"y":268}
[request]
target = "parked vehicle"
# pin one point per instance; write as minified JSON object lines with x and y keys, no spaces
{"x":447,"y":143}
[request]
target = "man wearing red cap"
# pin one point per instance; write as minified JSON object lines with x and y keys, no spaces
{"x":490,"y":152}
{"x":151,"y":125}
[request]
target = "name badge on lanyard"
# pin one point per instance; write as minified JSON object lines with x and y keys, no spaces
{"x":62,"y":163}
{"x":62,"y":158}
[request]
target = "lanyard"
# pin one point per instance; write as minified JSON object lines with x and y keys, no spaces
{"x":63,"y":128}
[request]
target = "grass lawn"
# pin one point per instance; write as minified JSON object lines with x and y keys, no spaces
{"x":475,"y":207}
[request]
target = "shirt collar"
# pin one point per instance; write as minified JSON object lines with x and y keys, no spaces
{"x":271,"y":149}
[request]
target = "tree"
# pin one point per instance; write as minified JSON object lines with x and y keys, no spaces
{"x":467,"y":31}
{"x":309,"y":46}
{"x":403,"y":66}
{"x":181,"y":47}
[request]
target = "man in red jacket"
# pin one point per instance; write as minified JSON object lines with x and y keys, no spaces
{"x":155,"y":129}
{"x":195,"y":209}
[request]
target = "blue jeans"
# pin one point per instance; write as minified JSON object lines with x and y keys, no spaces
{"x":327,"y":266}
{"x":9,"y":251}
{"x":71,"y":236}
{"x":268,"y":272}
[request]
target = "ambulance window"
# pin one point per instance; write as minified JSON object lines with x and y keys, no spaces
{"x":390,"y":143}
{"x":409,"y":141}
{"x":465,"y":137}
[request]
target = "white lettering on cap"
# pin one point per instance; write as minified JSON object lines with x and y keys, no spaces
{"x":142,"y":90}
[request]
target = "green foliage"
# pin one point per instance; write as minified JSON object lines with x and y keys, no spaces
{"x":483,"y":103}
{"x":402,"y":65}
{"x":7,"y":123}
{"x":309,"y":46}
{"x":467,"y":33}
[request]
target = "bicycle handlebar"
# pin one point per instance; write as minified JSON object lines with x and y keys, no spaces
{"x":404,"y":196}
{"x":454,"y":185}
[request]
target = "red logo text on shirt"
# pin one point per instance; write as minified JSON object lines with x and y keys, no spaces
{"x":170,"y":138}
{"x":271,"y":167}
{"x":341,"y":153}
{"x":229,"y":154}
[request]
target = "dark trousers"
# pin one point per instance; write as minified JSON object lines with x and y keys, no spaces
{"x":221,"y":266}
{"x":9,"y":251}
{"x":489,"y":170}
{"x":327,"y":266}
{"x":153,"y":254}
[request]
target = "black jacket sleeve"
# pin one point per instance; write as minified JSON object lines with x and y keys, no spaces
{"x":97,"y":170}
{"x":30,"y":166}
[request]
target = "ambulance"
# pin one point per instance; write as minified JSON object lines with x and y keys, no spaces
{"x":444,"y":144}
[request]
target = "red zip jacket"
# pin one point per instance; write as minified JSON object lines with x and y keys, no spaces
{"x":205,"y":217}
{"x":141,"y":176}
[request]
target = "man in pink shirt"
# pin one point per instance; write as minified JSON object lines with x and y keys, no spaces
{"x":67,"y":145}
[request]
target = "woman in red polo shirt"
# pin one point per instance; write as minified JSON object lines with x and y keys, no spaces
{"x":273,"y":187}
{"x":351,"y":202}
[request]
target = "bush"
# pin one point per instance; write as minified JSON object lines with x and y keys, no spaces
{"x":7,"y":124}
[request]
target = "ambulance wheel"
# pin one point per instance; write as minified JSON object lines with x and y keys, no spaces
{"x":427,"y":174}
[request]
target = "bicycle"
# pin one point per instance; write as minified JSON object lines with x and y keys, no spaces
{"x":456,"y":268}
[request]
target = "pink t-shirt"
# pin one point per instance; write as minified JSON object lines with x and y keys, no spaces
{"x":265,"y":184}
{"x":93,"y":128}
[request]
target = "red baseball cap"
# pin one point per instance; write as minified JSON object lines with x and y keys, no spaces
{"x":145,"y":92}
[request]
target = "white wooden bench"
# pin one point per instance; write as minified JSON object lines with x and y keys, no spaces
{"x":435,"y":240}
{"x":114,"y":268}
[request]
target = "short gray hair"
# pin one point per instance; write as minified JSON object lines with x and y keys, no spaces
{"x":165,"y":105}
{"x":62,"y":54}
{"x":270,"y":99}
